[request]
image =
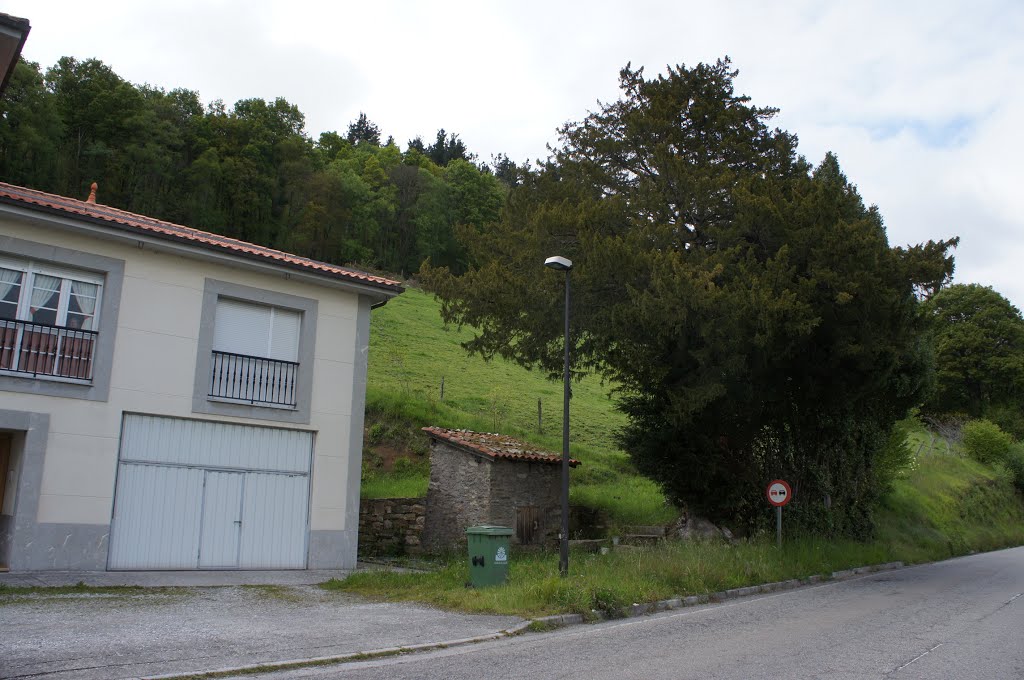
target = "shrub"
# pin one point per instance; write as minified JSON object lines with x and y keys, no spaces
{"x":985,"y":442}
{"x":1015,"y":464}
{"x":1009,"y":418}
{"x":895,"y":456}
{"x":375,"y":435}
{"x":411,"y":467}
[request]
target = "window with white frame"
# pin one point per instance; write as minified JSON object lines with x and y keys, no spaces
{"x":47,"y":295}
{"x":255,"y":353}
{"x":48,"y":319}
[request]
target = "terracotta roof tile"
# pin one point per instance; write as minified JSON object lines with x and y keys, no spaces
{"x":497,"y":446}
{"x":131,"y":222}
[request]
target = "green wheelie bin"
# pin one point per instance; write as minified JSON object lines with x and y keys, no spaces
{"x":488,"y":555}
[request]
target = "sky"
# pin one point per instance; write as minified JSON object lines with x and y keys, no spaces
{"x":921,"y":101}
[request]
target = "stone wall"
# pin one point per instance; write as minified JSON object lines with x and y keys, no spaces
{"x":468,"y":489}
{"x":457,"y":496}
{"x":391,"y":526}
{"x":518,"y":487}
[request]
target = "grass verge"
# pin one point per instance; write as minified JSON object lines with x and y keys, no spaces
{"x":944,"y":507}
{"x":615,"y":581}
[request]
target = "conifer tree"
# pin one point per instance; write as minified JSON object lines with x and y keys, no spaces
{"x":749,"y":306}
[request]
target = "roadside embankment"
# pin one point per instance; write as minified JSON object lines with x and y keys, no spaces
{"x":941,"y":507}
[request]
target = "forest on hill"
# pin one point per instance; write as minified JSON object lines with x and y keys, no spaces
{"x":249,"y":171}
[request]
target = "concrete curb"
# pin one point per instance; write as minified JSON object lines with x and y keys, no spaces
{"x":720,"y":596}
{"x":342,"y":658}
{"x":557,"y":621}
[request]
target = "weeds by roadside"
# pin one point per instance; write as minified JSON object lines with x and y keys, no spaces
{"x":78,"y":589}
{"x":948,"y":506}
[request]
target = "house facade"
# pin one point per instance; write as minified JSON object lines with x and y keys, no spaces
{"x":174,"y":399}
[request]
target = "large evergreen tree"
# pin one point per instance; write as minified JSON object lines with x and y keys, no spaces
{"x":750,"y":308}
{"x":445,"y":149}
{"x":363,"y":131}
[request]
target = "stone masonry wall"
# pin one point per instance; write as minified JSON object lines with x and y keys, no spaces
{"x":458,"y":496}
{"x":467,"y":489}
{"x":518,"y":484}
{"x":391,"y":526}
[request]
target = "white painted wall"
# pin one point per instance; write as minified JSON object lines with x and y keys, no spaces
{"x":154,"y":370}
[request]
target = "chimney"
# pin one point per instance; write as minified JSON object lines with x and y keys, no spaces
{"x":92,"y":193}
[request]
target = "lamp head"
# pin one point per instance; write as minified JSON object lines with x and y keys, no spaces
{"x":558,"y":263}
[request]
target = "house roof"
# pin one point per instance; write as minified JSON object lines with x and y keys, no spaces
{"x":496,"y":446}
{"x":123,"y":221}
{"x":13,"y":33}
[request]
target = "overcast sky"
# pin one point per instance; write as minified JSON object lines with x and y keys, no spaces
{"x":921,"y":101}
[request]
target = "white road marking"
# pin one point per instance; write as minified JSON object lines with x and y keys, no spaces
{"x":919,"y":656}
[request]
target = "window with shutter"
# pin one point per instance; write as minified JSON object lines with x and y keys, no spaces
{"x":255,"y":353}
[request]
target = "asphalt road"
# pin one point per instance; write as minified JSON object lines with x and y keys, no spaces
{"x":963,"y":618}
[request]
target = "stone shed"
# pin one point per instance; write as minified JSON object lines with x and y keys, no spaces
{"x":478,"y":478}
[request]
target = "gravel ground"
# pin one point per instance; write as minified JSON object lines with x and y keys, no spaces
{"x":151,"y":631}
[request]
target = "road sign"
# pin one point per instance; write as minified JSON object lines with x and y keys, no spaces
{"x":779,"y":493}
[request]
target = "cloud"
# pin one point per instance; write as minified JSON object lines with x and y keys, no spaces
{"x":920,"y":100}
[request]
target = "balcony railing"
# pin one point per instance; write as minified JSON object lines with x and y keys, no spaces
{"x":42,"y":350}
{"x":253,"y":380}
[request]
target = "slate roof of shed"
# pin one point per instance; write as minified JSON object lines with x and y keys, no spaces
{"x":496,"y":446}
{"x":122,"y":220}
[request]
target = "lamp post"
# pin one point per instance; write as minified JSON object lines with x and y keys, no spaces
{"x":564,"y":265}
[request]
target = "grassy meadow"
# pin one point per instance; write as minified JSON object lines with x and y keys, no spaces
{"x":411,"y":351}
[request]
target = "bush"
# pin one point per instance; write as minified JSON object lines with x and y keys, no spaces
{"x":1015,"y":464}
{"x":985,"y":442}
{"x":1009,"y":418}
{"x":894,"y":457}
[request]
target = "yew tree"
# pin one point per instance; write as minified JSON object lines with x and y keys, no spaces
{"x":747,"y":305}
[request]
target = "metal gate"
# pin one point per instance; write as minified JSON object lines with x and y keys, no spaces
{"x":195,"y":494}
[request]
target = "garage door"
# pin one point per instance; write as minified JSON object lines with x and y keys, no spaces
{"x":194,"y":494}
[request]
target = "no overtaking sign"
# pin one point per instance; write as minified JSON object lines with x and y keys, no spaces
{"x":779,"y":493}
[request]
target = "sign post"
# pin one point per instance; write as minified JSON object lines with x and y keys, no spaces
{"x":778,"y":525}
{"x":778,"y":493}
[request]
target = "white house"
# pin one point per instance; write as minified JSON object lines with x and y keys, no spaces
{"x":174,"y":399}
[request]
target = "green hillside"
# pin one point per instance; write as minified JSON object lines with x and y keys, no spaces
{"x":942,"y":504}
{"x":411,"y":352}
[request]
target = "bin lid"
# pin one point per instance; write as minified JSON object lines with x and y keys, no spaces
{"x":488,"y":530}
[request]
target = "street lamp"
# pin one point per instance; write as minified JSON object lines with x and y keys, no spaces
{"x":564,"y":265}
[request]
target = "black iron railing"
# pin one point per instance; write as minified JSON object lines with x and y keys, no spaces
{"x":40,"y":349}
{"x":254,"y":380}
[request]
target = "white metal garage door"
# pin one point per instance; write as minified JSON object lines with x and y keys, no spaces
{"x":194,"y":494}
